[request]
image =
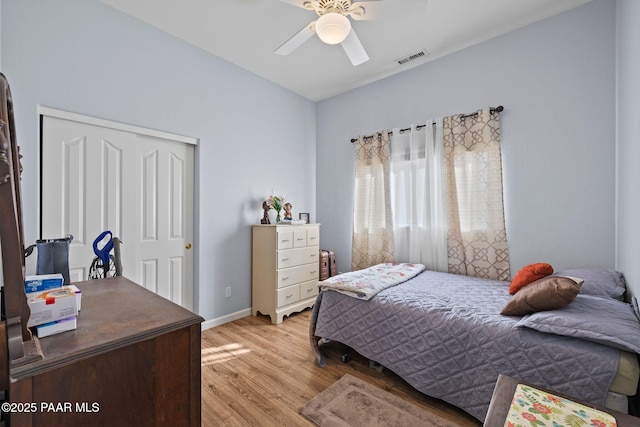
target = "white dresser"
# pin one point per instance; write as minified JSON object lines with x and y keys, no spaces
{"x":285,"y":269}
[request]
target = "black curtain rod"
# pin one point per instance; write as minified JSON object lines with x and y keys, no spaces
{"x":498,"y":109}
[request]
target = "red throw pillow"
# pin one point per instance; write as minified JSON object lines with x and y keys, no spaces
{"x":529,"y":274}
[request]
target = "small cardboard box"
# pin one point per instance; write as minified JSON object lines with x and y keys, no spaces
{"x":78,"y":293}
{"x":51,"y":305}
{"x":42,"y":282}
{"x":56,"y":327}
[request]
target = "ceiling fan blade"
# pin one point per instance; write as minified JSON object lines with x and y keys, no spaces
{"x":387,"y":9}
{"x":297,"y":40}
{"x":354,"y":50}
{"x":299,"y":3}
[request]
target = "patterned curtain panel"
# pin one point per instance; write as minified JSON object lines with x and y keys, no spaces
{"x":372,"y":226}
{"x":476,"y":234}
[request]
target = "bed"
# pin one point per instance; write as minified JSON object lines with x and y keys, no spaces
{"x":445,"y":336}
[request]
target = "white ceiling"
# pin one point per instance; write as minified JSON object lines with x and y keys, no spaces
{"x":246,"y":33}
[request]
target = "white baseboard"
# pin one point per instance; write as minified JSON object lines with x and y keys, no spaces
{"x":208,"y":324}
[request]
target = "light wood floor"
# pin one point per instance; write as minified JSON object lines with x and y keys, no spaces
{"x":258,"y":374}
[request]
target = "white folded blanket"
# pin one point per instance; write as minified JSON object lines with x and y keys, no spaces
{"x":365,"y":283}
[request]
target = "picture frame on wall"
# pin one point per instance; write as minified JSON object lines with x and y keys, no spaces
{"x":305,"y":217}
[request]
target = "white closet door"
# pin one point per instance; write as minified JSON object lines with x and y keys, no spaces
{"x":97,"y":178}
{"x":165,"y":202}
{"x":84,"y":171}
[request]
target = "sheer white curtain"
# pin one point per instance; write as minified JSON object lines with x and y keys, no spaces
{"x":417,"y":195}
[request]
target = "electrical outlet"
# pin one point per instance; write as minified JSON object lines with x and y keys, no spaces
{"x":227,"y":292}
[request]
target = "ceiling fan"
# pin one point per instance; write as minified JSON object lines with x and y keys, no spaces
{"x":333,"y":25}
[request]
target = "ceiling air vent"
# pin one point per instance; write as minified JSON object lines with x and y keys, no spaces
{"x":413,"y":57}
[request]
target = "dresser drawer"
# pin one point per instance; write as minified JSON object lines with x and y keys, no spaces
{"x":313,"y":236}
{"x":288,"y":295}
{"x":306,"y":236}
{"x":300,"y":237}
{"x":285,"y":239}
{"x":309,"y":289}
{"x":294,"y":275}
{"x":293,"y":257}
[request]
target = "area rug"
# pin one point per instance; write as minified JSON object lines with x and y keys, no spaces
{"x":353,"y":402}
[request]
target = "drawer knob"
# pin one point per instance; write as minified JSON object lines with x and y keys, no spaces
{"x":312,"y":272}
{"x":284,"y":240}
{"x":288,"y":296}
{"x":285,"y":259}
{"x":285,"y":278}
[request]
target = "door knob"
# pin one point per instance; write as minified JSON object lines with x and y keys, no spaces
{"x":188,"y":246}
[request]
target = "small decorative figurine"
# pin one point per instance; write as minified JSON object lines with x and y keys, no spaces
{"x":265,"y":217}
{"x":287,"y":211}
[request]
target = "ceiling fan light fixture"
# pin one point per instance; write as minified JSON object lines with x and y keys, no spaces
{"x":333,"y":27}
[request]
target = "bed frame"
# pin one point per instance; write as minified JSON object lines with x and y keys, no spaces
{"x":453,"y":343}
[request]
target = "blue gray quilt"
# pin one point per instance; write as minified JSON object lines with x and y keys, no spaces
{"x":444,"y":335}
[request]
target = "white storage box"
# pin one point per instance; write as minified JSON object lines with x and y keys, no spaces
{"x":42,"y":282}
{"x":52,"y":328}
{"x":78,"y":293}
{"x":51,"y":305}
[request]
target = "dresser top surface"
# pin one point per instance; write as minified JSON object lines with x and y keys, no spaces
{"x":115,"y":312}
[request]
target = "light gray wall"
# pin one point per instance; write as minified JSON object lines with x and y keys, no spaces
{"x":557,"y":72}
{"x":628,"y":111}
{"x":86,"y":57}
{"x":556,"y":80}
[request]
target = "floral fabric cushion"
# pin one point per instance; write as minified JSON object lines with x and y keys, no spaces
{"x":533,"y":407}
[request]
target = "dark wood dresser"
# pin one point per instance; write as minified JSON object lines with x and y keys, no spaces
{"x":134,"y":360}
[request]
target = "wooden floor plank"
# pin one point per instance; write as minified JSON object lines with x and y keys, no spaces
{"x":255,"y":373}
